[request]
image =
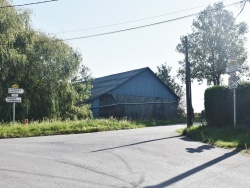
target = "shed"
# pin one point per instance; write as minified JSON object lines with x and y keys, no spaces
{"x":136,"y":94}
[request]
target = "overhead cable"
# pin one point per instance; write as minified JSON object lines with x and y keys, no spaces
{"x":132,"y":21}
{"x":132,"y":28}
{"x":27,"y":4}
{"x":139,"y":27}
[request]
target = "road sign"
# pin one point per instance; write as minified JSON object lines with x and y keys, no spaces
{"x":15,"y":86}
{"x":13,"y":99}
{"x":233,"y":79}
{"x":232,"y":74}
{"x":16,"y":90}
{"x":233,"y":68}
{"x":14,"y":95}
{"x":232,"y":85}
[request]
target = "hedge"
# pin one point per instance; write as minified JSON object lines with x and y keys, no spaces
{"x":219,"y":105}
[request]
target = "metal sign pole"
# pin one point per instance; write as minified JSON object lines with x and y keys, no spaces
{"x":14,"y":111}
{"x":234,"y":108}
{"x":231,"y":69}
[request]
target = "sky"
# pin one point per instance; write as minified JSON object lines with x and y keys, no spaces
{"x":124,"y":51}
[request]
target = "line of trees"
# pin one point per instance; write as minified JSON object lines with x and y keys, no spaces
{"x":54,"y":79}
{"x":45,"y":67}
{"x":215,"y":38}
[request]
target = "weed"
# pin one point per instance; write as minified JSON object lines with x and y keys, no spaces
{"x":225,"y":137}
{"x":55,"y":127}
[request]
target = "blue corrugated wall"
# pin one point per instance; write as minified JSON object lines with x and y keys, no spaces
{"x":95,"y":108}
{"x":145,"y":84}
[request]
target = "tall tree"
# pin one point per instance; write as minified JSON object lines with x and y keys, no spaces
{"x":43,"y":65}
{"x":13,"y":24}
{"x":215,"y":38}
{"x":50,"y":66}
{"x":164,"y":73}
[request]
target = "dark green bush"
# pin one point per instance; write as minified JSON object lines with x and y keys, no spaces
{"x":243,"y":104}
{"x":219,"y":105}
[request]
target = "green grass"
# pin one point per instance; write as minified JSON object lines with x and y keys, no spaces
{"x":48,"y":127}
{"x":225,"y":137}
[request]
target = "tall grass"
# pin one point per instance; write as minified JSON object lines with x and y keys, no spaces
{"x":226,"y":137}
{"x":56,"y":127}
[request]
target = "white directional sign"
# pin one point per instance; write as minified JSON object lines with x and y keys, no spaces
{"x":232,"y":82}
{"x":233,"y":68}
{"x":13,"y":99}
{"x":233,"y":79}
{"x":16,"y":90}
{"x":232,"y":85}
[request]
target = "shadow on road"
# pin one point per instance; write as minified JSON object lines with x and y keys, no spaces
{"x":196,"y":150}
{"x":137,"y":143}
{"x":199,"y":149}
{"x":194,"y":170}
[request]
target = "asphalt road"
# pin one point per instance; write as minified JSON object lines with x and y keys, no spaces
{"x":146,"y":157}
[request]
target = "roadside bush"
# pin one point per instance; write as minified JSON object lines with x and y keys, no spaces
{"x":243,"y":104}
{"x":218,"y":106}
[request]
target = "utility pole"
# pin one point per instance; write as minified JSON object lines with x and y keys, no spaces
{"x":188,"y":88}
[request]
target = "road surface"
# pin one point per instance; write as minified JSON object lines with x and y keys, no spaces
{"x":146,"y":157}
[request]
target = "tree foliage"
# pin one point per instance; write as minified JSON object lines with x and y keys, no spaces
{"x":215,"y":38}
{"x":163,"y":72}
{"x":219,"y":105}
{"x":43,"y":66}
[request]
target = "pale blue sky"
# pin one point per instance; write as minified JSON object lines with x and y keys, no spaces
{"x":147,"y":47}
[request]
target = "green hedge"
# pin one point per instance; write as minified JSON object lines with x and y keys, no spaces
{"x":243,"y":104}
{"x":219,"y":105}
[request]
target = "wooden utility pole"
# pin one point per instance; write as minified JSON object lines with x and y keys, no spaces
{"x":188,"y":88}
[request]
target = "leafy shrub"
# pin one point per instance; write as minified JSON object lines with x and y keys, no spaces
{"x":243,"y":104}
{"x":218,"y":106}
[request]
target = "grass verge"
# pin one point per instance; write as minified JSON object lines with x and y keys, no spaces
{"x":47,"y":128}
{"x":225,"y":137}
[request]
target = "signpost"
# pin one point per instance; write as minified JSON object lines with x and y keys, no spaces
{"x":15,"y":86}
{"x":14,"y":90}
{"x":13,"y":99}
{"x":233,"y":81}
{"x":14,"y":95}
{"x":233,"y":68}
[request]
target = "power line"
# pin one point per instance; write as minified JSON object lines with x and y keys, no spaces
{"x":138,"y":27}
{"x":132,"y":21}
{"x":123,"y":30}
{"x":129,"y":29}
{"x":133,"y":28}
{"x":242,"y":7}
{"x":27,"y":4}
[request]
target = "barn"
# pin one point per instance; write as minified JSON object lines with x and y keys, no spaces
{"x":136,"y":94}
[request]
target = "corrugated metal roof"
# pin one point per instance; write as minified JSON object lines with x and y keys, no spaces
{"x":105,"y":84}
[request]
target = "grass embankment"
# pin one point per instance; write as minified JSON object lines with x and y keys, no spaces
{"x":225,"y":137}
{"x":46,"y":128}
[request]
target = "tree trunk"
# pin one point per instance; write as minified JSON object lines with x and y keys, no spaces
{"x":218,"y":80}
